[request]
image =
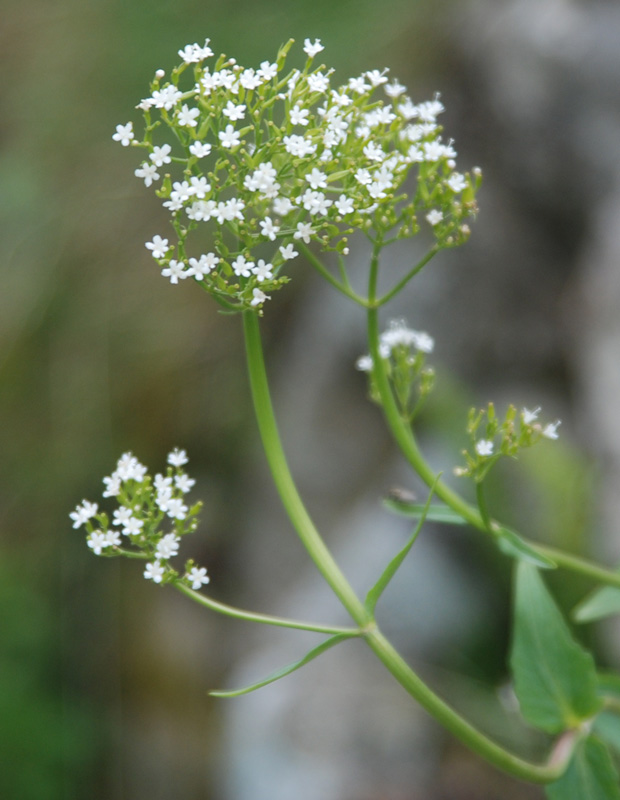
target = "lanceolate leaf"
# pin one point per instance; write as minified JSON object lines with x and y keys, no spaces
{"x":555,"y":679}
{"x":281,"y":673}
{"x":437,"y":512}
{"x":514,"y":546}
{"x":590,"y":776}
{"x":601,"y":603}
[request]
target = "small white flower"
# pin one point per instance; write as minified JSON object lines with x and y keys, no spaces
{"x":259,"y":297}
{"x":550,"y":431}
{"x":484,"y":447}
{"x":530,"y":416}
{"x":187,"y":117}
{"x":198,"y":576}
{"x":229,"y":137}
{"x":375,"y":77}
{"x":268,"y":228}
{"x":317,"y":179}
{"x":394,"y":89}
{"x":161,"y":155}
{"x":312,"y":48}
{"x":457,"y":182}
{"x":434,"y":216}
{"x":299,"y":115}
{"x":176,"y":509}
{"x":282,"y":206}
{"x":177,"y":458}
{"x":133,"y":526}
{"x":97,"y":541}
{"x":203,"y":265}
{"x":112,"y":538}
{"x":242,"y":267}
{"x":148,"y":172}
{"x":364,"y":364}
{"x":154,"y":572}
{"x":112,"y":485}
{"x":83,"y":513}
{"x":288,"y":252}
{"x":234,"y":112}
{"x":124,"y":134}
{"x":183,"y":482}
{"x":263,"y":271}
{"x":158,"y":247}
{"x":121,"y":515}
{"x":304,"y":231}
{"x":344,"y":205}
{"x":175,"y":271}
{"x":167,"y":547}
{"x":200,"y":149}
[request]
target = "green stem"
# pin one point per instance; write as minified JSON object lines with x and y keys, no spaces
{"x":460,"y":727}
{"x":265,"y":619}
{"x":283,"y":479}
{"x":324,"y":561}
{"x":345,"y":290}
{"x":401,"y":284}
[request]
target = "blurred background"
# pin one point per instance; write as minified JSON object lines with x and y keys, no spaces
{"x":103,"y":677}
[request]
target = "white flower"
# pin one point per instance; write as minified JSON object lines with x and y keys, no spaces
{"x":364,"y":364}
{"x":457,"y":182}
{"x":133,"y":526}
{"x":434,"y":216}
{"x":187,"y":116}
{"x":167,"y":97}
{"x":97,"y":541}
{"x":177,"y":458}
{"x":530,"y":416}
{"x":174,"y":271}
{"x":298,"y":146}
{"x":358,"y":85}
{"x":304,"y":231}
{"x":148,"y":172}
{"x":183,"y":482}
{"x":158,"y":247}
{"x":376,"y":77}
{"x":200,"y":149}
{"x":234,"y":112}
{"x":202,"y":266}
{"x":161,"y":155}
{"x":167,"y":547}
{"x":312,"y":48}
{"x":154,"y":572}
{"x":242,"y":267}
{"x":83,"y":513}
{"x":198,"y":576}
{"x":550,"y":431}
{"x":112,"y":538}
{"x":121,"y":515}
{"x":317,"y":179}
{"x":344,"y":205}
{"x":394,"y":89}
{"x":263,"y":271}
{"x":176,"y":509}
{"x":282,"y":206}
{"x":268,"y":228}
{"x":129,"y":468}
{"x":229,"y":137}
{"x":267,"y":71}
{"x":484,"y":447}
{"x":124,"y":134}
{"x":112,"y":485}
{"x":288,"y":252}
{"x":318,"y":82}
{"x":259,"y":297}
{"x":298,"y":115}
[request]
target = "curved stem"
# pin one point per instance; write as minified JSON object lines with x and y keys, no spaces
{"x":283,"y":479}
{"x":462,"y":729}
{"x":265,"y":619}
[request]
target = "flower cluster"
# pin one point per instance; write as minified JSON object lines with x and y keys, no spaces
{"x":404,"y":352}
{"x":146,"y":506}
{"x":254,"y":164}
{"x":492,"y":438}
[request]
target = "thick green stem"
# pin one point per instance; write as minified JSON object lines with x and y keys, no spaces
{"x":283,"y":479}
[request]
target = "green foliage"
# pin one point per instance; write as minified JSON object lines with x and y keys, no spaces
{"x":511,"y":544}
{"x":590,"y":776}
{"x":599,"y":604}
{"x":555,"y":678}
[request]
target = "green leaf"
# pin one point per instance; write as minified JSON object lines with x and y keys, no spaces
{"x":436,"y":513}
{"x":607,"y":726}
{"x":281,"y":673}
{"x":597,"y":605}
{"x":388,"y":573}
{"x":511,"y":544}
{"x":555,"y":679}
{"x":590,"y":775}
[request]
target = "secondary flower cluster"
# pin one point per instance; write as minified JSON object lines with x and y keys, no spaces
{"x":404,"y":352}
{"x":252,"y":163}
{"x":506,"y":437}
{"x":147,"y":507}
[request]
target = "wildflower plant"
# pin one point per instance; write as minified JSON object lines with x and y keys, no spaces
{"x":257,"y":168}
